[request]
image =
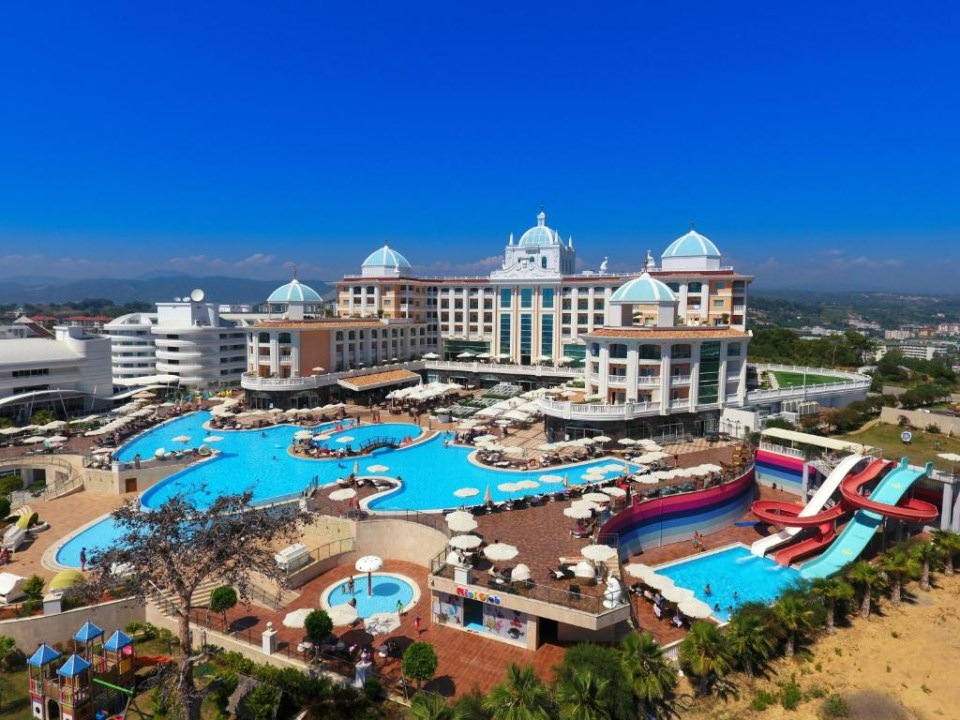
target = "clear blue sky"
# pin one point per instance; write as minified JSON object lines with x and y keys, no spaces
{"x":813,"y":142}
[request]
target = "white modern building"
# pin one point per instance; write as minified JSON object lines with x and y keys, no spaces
{"x":132,"y":348}
{"x":68,"y":373}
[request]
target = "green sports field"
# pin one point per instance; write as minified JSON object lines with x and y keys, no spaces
{"x":795,"y":379}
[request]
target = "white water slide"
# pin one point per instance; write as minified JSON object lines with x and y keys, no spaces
{"x":764,"y":545}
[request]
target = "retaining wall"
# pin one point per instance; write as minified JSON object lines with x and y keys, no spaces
{"x":29,"y":632}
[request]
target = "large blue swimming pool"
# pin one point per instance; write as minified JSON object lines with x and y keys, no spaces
{"x":734,"y":575}
{"x":258,"y":460}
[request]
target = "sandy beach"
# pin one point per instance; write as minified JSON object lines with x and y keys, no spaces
{"x":899,"y":665}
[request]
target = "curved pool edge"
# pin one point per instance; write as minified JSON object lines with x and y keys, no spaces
{"x":324,"y":604}
{"x":49,"y":558}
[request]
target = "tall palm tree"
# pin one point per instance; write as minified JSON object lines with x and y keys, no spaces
{"x":795,"y":616}
{"x":949,"y":543}
{"x":652,"y":676}
{"x":751,"y":638}
{"x":520,"y":697}
{"x":704,"y":653}
{"x":899,"y":565}
{"x":927,"y":554}
{"x":581,"y":697}
{"x":831,"y":590}
{"x":865,"y":576}
{"x":429,"y":706}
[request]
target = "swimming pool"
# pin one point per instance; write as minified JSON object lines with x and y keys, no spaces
{"x":98,"y":536}
{"x":735,"y":576}
{"x":388,"y":589}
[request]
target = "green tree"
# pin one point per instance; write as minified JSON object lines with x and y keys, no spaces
{"x":832,"y":590}
{"x":704,"y":653}
{"x":222,"y":600}
{"x":420,"y":662}
{"x":796,"y":618}
{"x":11,"y":657}
{"x":949,"y":543}
{"x":752,"y":637}
{"x":605,"y":663}
{"x":42,"y":417}
{"x":4,"y":507}
{"x":469,"y":706}
{"x":522,"y":696}
{"x":648,"y":671}
{"x":583,"y":696}
{"x":899,"y":565}
{"x":262,"y":702}
{"x":33,"y":587}
{"x":865,"y":576}
{"x":429,"y":706}
{"x":318,"y":626}
{"x":927,"y":554}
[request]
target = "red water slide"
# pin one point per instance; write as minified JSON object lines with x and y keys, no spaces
{"x":910,"y":509}
{"x":810,"y":546}
{"x":778,"y":512}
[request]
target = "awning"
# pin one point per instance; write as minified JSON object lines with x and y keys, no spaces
{"x":378,"y":380}
{"x":815,"y":440}
{"x":140,"y":382}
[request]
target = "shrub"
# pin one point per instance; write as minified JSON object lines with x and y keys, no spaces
{"x":372,"y":689}
{"x":790,"y":695}
{"x":33,"y":587}
{"x":222,"y":600}
{"x":762,"y":700}
{"x":318,"y":626}
{"x":834,"y":707}
{"x":4,"y":507}
{"x":224,"y":685}
{"x":933,"y":428}
{"x":420,"y":662}
{"x":11,"y":657}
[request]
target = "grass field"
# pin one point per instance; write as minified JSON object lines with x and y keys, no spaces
{"x":793,"y":379}
{"x":922,"y":448}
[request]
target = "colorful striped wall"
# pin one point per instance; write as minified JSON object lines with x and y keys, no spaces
{"x":675,"y":518}
{"x":783,"y":470}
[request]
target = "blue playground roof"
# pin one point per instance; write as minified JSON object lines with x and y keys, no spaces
{"x":73,"y":666}
{"x":118,"y":641}
{"x":88,"y":632}
{"x":43,"y":655}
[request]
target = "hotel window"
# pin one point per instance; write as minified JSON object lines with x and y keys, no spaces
{"x":681,"y":352}
{"x":526,"y":297}
{"x":506,"y":297}
{"x":582,"y":319}
{"x":733,"y":349}
{"x":543,"y":262}
{"x":618,"y":351}
{"x":565,"y":318}
{"x":505,"y":334}
{"x":649,"y":352}
{"x":285,"y":338}
{"x":598,"y":304}
{"x":548,"y":297}
{"x":598,"y":319}
{"x":546,"y":335}
{"x":695,"y":287}
{"x":526,"y":337}
{"x":721,"y":285}
{"x":583,"y":304}
{"x":709,"y":387}
{"x":674,"y":286}
{"x":264,"y":337}
{"x":718,"y":303}
{"x":567,"y":305}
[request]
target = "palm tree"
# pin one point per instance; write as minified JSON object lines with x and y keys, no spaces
{"x":927,"y":554}
{"x":652,"y":676}
{"x":705,"y":654}
{"x":949,"y":543}
{"x":864,"y":575}
{"x":795,"y":616}
{"x":751,"y":637}
{"x":520,"y":697}
{"x":581,"y":697}
{"x":831,"y":590}
{"x":429,"y":706}
{"x":899,"y":565}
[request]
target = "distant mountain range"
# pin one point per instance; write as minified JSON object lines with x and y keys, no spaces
{"x":151,"y":287}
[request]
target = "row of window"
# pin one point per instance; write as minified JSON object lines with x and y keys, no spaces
{"x":31,"y":373}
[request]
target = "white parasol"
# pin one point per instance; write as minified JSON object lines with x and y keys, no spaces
{"x":660,"y":582}
{"x":551,"y":479}
{"x":460,"y":521}
{"x":583,"y":569}
{"x":344,"y":614}
{"x":465,"y":542}
{"x":500,"y":552}
{"x":466,"y":492}
{"x":595,"y":497}
{"x":598,"y":553}
{"x":696,"y":609}
{"x":369,"y":564}
{"x":160,"y":452}
{"x":182,"y":439}
{"x":677,"y":594}
{"x":377,"y":469}
{"x":627,"y":442}
{"x":528,"y":485}
{"x":639,"y":571}
{"x":345,"y":439}
{"x":212,"y":438}
{"x":507,"y":487}
{"x":585,"y":504}
{"x":520,"y":572}
{"x":296,"y":618}
{"x":578,"y":513}
{"x":344,"y":494}
{"x":303,"y":435}
{"x":614,"y":491}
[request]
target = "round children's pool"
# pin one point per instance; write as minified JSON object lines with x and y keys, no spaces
{"x":388,"y":590}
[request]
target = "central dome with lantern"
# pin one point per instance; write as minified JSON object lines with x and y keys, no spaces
{"x":540,"y":234}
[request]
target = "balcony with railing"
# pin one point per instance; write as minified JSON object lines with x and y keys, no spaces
{"x":597,"y":411}
{"x":679,"y":379}
{"x":648,"y":380}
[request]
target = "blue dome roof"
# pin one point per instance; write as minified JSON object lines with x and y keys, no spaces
{"x":693,"y":244}
{"x":541,"y":234}
{"x":386,"y":257}
{"x":643,"y":289}
{"x":294,"y":291}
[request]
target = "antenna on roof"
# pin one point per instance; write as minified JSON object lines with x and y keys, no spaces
{"x":294,"y":272}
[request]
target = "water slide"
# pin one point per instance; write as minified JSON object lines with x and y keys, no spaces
{"x":775,"y":512}
{"x":883,"y":501}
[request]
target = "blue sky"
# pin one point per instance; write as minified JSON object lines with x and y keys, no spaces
{"x":815,"y":143}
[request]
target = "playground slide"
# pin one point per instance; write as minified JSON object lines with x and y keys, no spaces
{"x":823,"y":494}
{"x":863,"y":526}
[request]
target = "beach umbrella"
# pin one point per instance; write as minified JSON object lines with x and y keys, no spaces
{"x":507,"y":487}
{"x":601,"y":438}
{"x":487,"y":497}
{"x":598,"y":553}
{"x":503,"y":423}
{"x":461,"y":522}
{"x":181,"y":439}
{"x":614,"y":492}
{"x":660,"y":582}
{"x":345,"y":439}
{"x":627,"y":442}
{"x":382,"y":623}
{"x":430,"y":356}
{"x":377,"y":468}
{"x":639,"y":571}
{"x":500,"y":552}
{"x":56,"y":439}
{"x":466,"y":492}
{"x":677,"y":594}
{"x":297,"y":618}
{"x":592,"y":476}
{"x":566,"y":480}
{"x":696,"y":609}
{"x":105,"y":451}
{"x":551,"y":479}
{"x":615,"y":468}
{"x":465,"y":542}
{"x":651,"y":479}
{"x":585,"y":504}
{"x":212,"y":439}
{"x":595,"y":497}
{"x":369,"y":564}
{"x":528,"y":485}
{"x":160,"y":452}
{"x":578,"y":513}
{"x":520,"y":572}
{"x":344,"y":614}
{"x":303,"y":435}
{"x":343,"y":494}
{"x":583,"y":569}
{"x":466,"y":354}
{"x":949,"y":457}
{"x":513,"y":450}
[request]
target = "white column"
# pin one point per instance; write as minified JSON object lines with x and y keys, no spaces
{"x":722,"y":379}
{"x":603,"y":370}
{"x":274,"y":353}
{"x":295,"y":355}
{"x":665,"y":380}
{"x":694,"y":375}
{"x":633,"y":370}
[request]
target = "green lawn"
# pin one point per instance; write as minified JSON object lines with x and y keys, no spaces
{"x":922,"y":448}
{"x":793,"y":379}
